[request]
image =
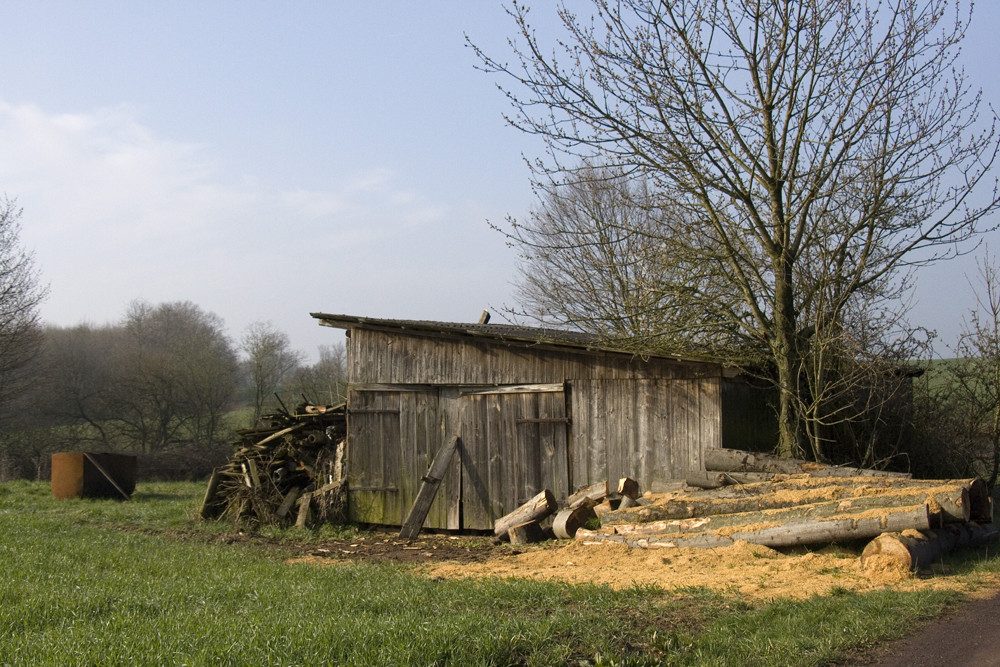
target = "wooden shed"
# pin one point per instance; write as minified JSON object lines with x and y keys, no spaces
{"x":533,"y":409}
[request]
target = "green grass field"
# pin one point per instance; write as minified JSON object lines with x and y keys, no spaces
{"x":88,"y":582}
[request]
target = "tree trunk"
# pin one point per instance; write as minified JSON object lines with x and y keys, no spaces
{"x":568,"y":521}
{"x":795,"y":533}
{"x":535,"y":509}
{"x":735,"y":460}
{"x":948,"y":505}
{"x":526,"y":533}
{"x":916,"y":550}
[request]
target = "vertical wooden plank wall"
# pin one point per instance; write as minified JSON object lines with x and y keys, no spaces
{"x":650,"y":430}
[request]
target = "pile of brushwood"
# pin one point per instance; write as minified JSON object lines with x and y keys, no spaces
{"x":287,"y":470}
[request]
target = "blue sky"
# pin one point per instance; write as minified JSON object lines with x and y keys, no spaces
{"x":265,"y":160}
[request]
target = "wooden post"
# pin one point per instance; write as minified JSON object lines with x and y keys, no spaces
{"x":428,"y":489}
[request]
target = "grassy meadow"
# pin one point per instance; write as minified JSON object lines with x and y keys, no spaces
{"x":101,"y":582}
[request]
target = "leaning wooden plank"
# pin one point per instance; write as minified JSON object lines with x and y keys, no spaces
{"x":428,"y":489}
{"x":288,"y":501}
{"x":526,"y":533}
{"x":536,"y":509}
{"x":304,"y":518}
{"x":210,"y":507}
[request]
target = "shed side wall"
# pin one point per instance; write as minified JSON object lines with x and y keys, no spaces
{"x":401,"y":358}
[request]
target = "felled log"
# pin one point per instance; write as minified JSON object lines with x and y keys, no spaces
{"x":794,"y":533}
{"x":715,"y":479}
{"x":536,"y":509}
{"x":735,"y":460}
{"x":595,"y":493}
{"x":526,"y":533}
{"x":914,"y":550}
{"x":628,"y":487}
{"x":949,"y":504}
{"x":847,"y":508}
{"x":626,"y":502}
{"x":568,"y":521}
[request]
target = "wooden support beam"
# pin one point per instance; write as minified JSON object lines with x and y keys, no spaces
{"x":428,"y":489}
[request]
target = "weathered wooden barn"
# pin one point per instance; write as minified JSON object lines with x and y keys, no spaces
{"x":534,"y":409}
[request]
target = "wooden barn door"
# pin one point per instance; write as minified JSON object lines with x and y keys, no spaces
{"x":652,"y":430}
{"x":514,"y":445}
{"x":392,"y":439}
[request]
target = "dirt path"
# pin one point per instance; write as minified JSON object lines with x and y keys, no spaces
{"x":968,"y":636}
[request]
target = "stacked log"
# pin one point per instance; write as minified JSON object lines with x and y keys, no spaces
{"x":781,"y":503}
{"x":286,"y":471}
{"x":529,"y":522}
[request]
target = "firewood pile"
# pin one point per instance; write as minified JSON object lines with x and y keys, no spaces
{"x":777,"y":503}
{"x":287,"y":470}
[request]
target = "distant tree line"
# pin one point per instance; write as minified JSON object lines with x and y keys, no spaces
{"x":166,"y":383}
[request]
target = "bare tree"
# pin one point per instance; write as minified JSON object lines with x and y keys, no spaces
{"x":175,"y":375}
{"x":965,"y":397}
{"x":594,"y":257}
{"x":270,"y":359}
{"x":21,"y":294}
{"x":790,"y":135}
{"x":325,"y":381}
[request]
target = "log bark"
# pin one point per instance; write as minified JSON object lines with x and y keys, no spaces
{"x":526,"y":533}
{"x":626,"y":502}
{"x":569,"y":520}
{"x":595,"y":493}
{"x":950,"y":504}
{"x":715,"y":480}
{"x":914,"y":550}
{"x":536,"y":509}
{"x":794,"y":533}
{"x":735,"y":460}
{"x":628,"y":487}
{"x":848,"y":508}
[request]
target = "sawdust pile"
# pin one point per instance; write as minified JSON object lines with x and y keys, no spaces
{"x":748,"y":570}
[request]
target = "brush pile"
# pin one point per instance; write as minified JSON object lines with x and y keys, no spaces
{"x":287,"y":470}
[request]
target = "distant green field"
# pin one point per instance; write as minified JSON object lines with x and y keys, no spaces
{"x":88,"y":582}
